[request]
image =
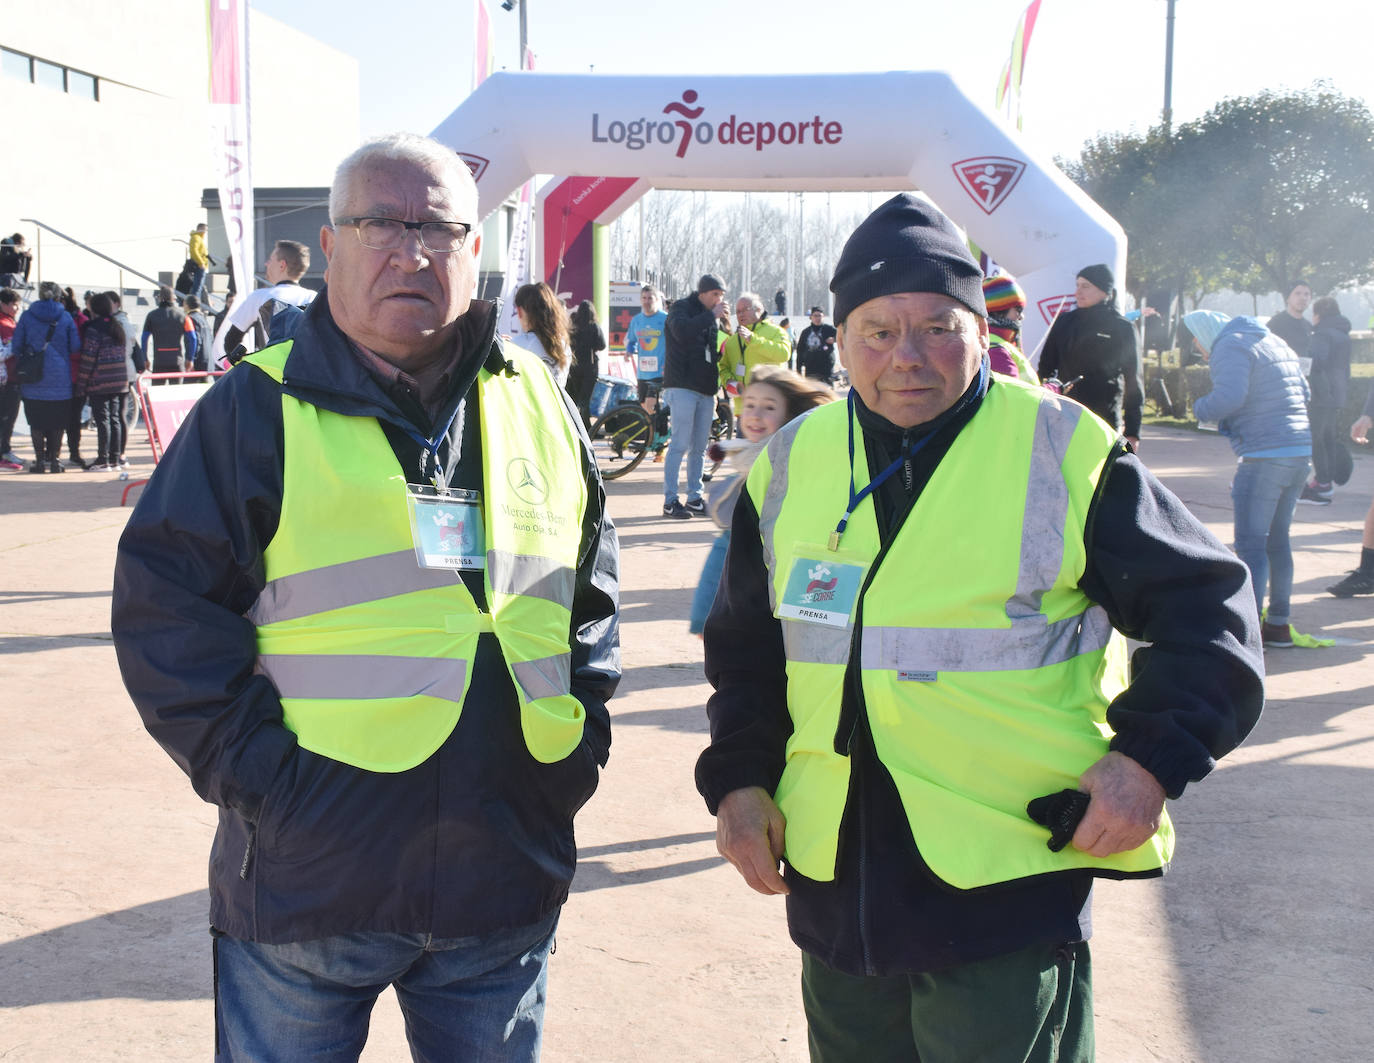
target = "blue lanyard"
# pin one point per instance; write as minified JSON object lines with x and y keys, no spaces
{"x":856,"y":497}
{"x":431,"y":446}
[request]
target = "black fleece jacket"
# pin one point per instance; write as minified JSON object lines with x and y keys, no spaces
{"x":1098,"y":345}
{"x":1196,"y":691}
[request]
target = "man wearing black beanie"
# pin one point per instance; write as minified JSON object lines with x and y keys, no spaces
{"x":922,"y":704}
{"x":1094,"y":352}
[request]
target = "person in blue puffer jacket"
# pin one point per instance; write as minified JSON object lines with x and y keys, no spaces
{"x":1259,"y":400}
{"x":47,"y":401}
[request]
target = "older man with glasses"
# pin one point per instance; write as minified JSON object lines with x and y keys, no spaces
{"x":368,"y":604}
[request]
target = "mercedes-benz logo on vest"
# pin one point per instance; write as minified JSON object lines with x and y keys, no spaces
{"x":527,"y":481}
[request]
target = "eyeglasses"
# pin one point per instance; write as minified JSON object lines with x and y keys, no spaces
{"x":387,"y":234}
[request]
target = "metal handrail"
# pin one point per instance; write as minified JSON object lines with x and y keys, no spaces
{"x":99,"y":254}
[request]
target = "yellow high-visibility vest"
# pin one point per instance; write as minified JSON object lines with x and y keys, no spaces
{"x":986,"y":672}
{"x":371,"y":654}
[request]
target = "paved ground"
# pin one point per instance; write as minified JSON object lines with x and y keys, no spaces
{"x":1255,"y":949}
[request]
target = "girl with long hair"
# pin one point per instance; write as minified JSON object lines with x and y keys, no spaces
{"x":543,"y":327}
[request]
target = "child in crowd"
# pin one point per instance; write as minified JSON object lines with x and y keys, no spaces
{"x":774,"y":396}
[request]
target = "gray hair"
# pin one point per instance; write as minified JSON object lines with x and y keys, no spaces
{"x":394,"y":147}
{"x":753,"y":298}
{"x":50,"y":290}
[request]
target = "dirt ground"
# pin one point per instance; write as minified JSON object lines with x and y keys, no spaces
{"x":1254,"y":949}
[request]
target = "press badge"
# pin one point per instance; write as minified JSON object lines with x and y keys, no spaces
{"x":447,"y":528}
{"x":822,"y":589}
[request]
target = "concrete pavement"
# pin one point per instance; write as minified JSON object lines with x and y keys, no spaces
{"x":1255,"y":948}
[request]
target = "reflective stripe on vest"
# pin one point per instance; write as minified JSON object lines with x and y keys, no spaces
{"x":972,"y":721}
{"x":371,"y":654}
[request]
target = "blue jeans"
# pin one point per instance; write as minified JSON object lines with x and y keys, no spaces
{"x":708,"y":584}
{"x":690,"y":414}
{"x":198,"y":283}
{"x":1263,"y":496}
{"x":480,"y":1000}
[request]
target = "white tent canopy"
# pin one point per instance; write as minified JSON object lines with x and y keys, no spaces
{"x":804,"y":132}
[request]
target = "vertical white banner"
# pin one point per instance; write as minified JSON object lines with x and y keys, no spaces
{"x":229,"y":137}
{"x":517,"y":263}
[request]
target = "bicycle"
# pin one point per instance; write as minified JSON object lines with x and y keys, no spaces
{"x":625,"y":433}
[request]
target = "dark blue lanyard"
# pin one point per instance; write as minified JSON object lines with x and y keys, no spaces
{"x":856,"y":497}
{"x":431,"y":446}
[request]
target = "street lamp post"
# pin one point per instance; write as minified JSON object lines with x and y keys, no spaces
{"x":1169,"y":71}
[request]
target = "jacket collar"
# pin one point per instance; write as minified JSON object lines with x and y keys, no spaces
{"x":322,"y":369}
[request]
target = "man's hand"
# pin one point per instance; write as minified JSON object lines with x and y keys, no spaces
{"x":1134,"y":442}
{"x":1125,"y":810}
{"x":749,"y":832}
{"x":1359,"y":431}
{"x":744,"y":334}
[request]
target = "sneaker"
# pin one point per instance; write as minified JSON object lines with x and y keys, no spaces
{"x":13,"y":458}
{"x":75,"y":462}
{"x":1280,"y":636}
{"x":1314,"y":497}
{"x":55,"y":466}
{"x":676,"y":510}
{"x":5,"y":463}
{"x":123,"y":462}
{"x":697,"y":506}
{"x":1356,"y":582}
{"x":37,"y":466}
{"x":99,"y":466}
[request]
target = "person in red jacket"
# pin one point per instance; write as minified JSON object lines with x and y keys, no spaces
{"x":9,"y":379}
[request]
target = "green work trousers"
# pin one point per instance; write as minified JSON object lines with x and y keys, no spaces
{"x":1031,"y":1006}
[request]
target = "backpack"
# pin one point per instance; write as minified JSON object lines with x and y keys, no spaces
{"x":183,"y":282}
{"x":31,"y":361}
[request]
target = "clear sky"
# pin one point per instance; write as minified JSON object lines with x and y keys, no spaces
{"x":1094,"y":65}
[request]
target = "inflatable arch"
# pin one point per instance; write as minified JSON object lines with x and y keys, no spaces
{"x":823,"y":132}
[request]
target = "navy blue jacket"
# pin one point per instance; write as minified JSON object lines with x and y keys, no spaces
{"x":476,"y":839}
{"x":690,"y":347}
{"x":1330,"y":375}
{"x":30,"y":331}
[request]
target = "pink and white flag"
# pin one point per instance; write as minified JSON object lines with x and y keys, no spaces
{"x":229,"y":139}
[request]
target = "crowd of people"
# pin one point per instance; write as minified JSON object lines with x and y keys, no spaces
{"x":927,"y":729}
{"x":60,"y":358}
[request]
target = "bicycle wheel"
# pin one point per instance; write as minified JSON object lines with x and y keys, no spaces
{"x":620,"y":438}
{"x":723,"y":427}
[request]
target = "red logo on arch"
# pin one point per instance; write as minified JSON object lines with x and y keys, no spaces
{"x":476,"y":164}
{"x":989,"y":179}
{"x":1055,"y":305}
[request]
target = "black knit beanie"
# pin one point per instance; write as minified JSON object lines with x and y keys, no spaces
{"x":906,"y":245}
{"x":1100,"y":276}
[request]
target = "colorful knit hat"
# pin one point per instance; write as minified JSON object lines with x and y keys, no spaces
{"x":1001,"y":293}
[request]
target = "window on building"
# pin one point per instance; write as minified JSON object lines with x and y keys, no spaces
{"x":83,"y":85}
{"x":50,"y":75}
{"x":15,"y":65}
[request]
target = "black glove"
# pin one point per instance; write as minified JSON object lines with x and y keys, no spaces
{"x":1060,"y":814}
